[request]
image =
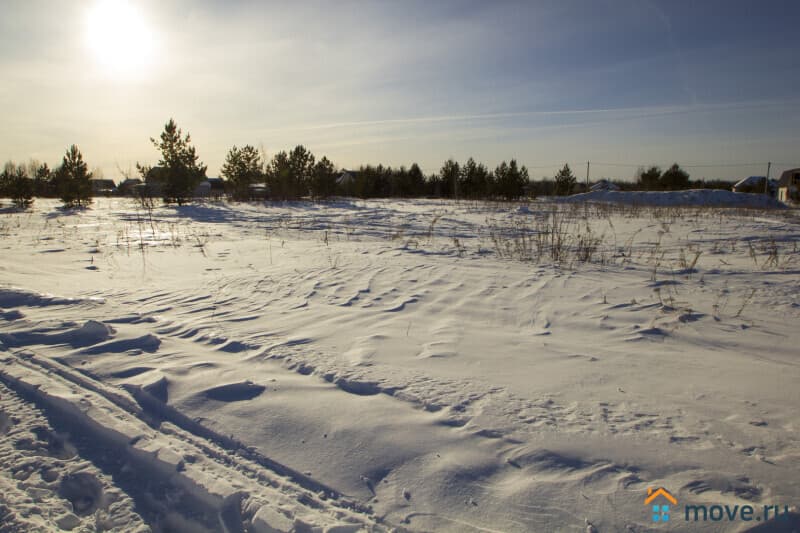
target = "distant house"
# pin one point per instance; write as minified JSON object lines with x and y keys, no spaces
{"x":346,"y":182}
{"x":258,"y":191}
{"x":210,"y":188}
{"x":604,"y":185}
{"x":346,"y":178}
{"x":128,"y":186}
{"x":754,"y":184}
{"x":789,"y":186}
{"x":103,"y":187}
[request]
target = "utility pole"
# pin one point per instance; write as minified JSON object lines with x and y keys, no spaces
{"x":766,"y":181}
{"x":587,"y":176}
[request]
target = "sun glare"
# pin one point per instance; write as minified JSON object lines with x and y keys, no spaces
{"x":119,"y":38}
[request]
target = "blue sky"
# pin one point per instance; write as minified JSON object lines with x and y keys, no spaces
{"x":617,"y":82}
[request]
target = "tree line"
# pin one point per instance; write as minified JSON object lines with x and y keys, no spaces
{"x":298,"y":173}
{"x":70,"y":181}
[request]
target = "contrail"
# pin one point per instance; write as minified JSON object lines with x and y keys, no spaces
{"x":626,"y":113}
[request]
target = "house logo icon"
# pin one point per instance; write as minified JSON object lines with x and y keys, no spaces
{"x":660,"y":507}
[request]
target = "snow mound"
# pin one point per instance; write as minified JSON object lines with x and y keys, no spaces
{"x":12,"y":315}
{"x":146,"y":343}
{"x":95,"y":331}
{"x":91,"y":332}
{"x":693,"y":197}
{"x":14,"y":297}
{"x":234,"y":392}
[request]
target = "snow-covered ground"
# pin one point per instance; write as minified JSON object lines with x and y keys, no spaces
{"x":691,"y":197}
{"x":422,"y":365}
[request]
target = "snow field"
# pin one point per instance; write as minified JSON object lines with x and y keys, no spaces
{"x":424,"y":364}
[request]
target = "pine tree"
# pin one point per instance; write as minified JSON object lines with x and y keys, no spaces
{"x":21,"y":189}
{"x":650,"y":179}
{"x":242,"y":168}
{"x":323,"y":179}
{"x":41,"y":180}
{"x":366,"y":181}
{"x":279,"y":176}
{"x":289,"y":175}
{"x":181,"y":170}
{"x":510,"y":181}
{"x":416,"y":181}
{"x":301,"y":163}
{"x":473,"y":180}
{"x":564,"y":181}
{"x":448,"y":177}
{"x":5,"y":178}
{"x":72,"y":179}
{"x":15,"y":184}
{"x":675,"y":178}
{"x":398,"y":182}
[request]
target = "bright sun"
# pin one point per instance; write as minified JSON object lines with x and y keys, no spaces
{"x":119,"y":38}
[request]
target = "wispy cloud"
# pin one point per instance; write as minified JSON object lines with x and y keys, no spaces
{"x":593,"y":116}
{"x":407,"y":81}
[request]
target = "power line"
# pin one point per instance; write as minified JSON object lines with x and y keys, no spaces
{"x":697,"y":165}
{"x":645,"y":165}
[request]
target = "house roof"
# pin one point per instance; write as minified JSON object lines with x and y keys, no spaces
{"x":346,"y":176}
{"x":604,"y":185}
{"x":786,"y":176}
{"x":752,"y":181}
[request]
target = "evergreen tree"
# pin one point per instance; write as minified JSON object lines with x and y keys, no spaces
{"x":675,"y":178}
{"x":366,"y":180}
{"x":416,"y":181}
{"x":242,"y":168}
{"x":650,"y":179}
{"x":41,"y":180}
{"x":301,"y":163}
{"x":564,"y":181}
{"x":381,"y":185}
{"x":72,"y":179}
{"x":279,"y":176}
{"x":510,"y":181}
{"x":5,"y":178}
{"x":181,"y":170}
{"x":20,"y":188}
{"x":473,"y":180}
{"x":433,"y":185}
{"x":398,"y":182}
{"x":15,"y":184}
{"x":323,"y":179}
{"x":289,"y":175}
{"x":448,"y":177}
